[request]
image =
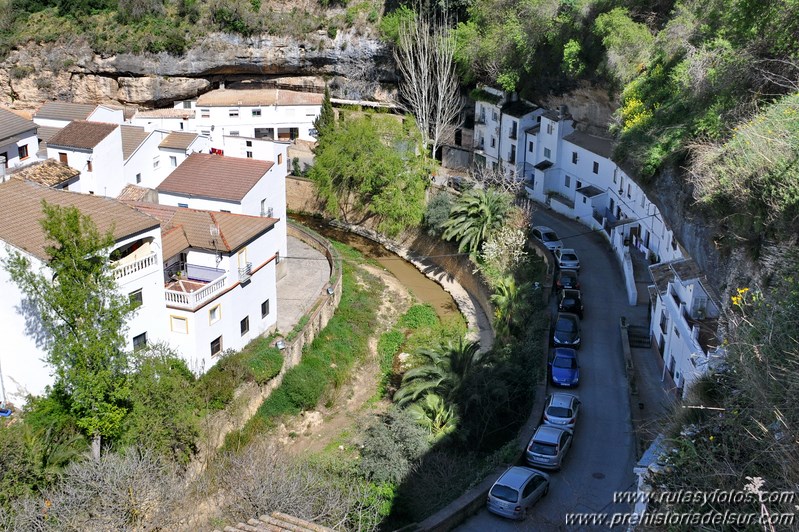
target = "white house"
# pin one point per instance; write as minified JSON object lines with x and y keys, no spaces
{"x":274,"y":114}
{"x":175,"y":147}
{"x":261,"y":149}
{"x":59,"y":114}
{"x":173,"y":119}
{"x":94,"y":149}
{"x":138,"y":270}
{"x":230,"y":184}
{"x":18,"y":140}
{"x":220,"y":275}
{"x":684,"y":320}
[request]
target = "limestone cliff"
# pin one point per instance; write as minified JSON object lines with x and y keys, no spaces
{"x":355,"y":66}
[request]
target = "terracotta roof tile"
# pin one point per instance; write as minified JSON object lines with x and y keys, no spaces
{"x":65,"y":111}
{"x":599,"y":145}
{"x":47,"y":132}
{"x":258,"y":97}
{"x":178,"y":141}
{"x":24,"y":199}
{"x":136,"y":193}
{"x":81,"y":134}
{"x":12,"y":125}
{"x":49,"y":173}
{"x":132,"y":138}
{"x":215,"y":176}
{"x":165,"y":113}
{"x":183,"y":228}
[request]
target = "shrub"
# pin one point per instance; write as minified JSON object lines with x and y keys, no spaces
{"x":393,"y":442}
{"x":419,"y":316}
{"x":437,"y":212}
{"x":264,"y":361}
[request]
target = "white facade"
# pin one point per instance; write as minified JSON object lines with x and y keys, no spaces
{"x":252,"y":148}
{"x":165,"y":119}
{"x":101,"y":167}
{"x":20,"y":149}
{"x":100,"y":113}
{"x":141,"y":167}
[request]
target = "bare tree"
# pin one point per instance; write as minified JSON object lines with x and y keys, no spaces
{"x":429,"y":90}
{"x":498,"y":179}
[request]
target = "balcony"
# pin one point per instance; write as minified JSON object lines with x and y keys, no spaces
{"x":196,"y":285}
{"x":245,"y":272}
{"x":513,"y":134}
{"x":480,"y":119}
{"x":267,"y":212}
{"x":122,"y":269}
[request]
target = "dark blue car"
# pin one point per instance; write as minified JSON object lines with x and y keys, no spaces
{"x":564,"y":368}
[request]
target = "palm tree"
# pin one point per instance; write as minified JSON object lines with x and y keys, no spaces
{"x":476,"y":214}
{"x":433,"y":414}
{"x":510,"y":304}
{"x":441,"y":372}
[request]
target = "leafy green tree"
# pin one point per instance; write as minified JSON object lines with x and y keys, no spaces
{"x":628,"y":43}
{"x":433,"y":413}
{"x":510,"y":305}
{"x":437,"y":212}
{"x":327,"y":117}
{"x":369,"y":165}
{"x":83,"y":318}
{"x":441,"y":372}
{"x":475,"y":216}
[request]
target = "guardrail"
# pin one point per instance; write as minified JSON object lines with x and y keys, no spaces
{"x":192,"y":300}
{"x":124,"y":270}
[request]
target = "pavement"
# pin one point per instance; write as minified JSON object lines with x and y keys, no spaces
{"x":308,"y":274}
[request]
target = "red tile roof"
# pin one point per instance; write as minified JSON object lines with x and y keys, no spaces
{"x":257,"y":98}
{"x":215,"y":177}
{"x":81,"y":134}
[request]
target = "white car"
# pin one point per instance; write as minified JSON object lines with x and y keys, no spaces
{"x":562,"y":410}
{"x":567,"y":259}
{"x":516,"y":491}
{"x":547,"y":236}
{"x":548,"y":447}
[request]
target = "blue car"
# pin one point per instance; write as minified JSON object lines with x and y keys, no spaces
{"x":564,"y":368}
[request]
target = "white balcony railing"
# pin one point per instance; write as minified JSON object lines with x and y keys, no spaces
{"x":123,"y":270}
{"x":192,"y":300}
{"x":245,"y":272}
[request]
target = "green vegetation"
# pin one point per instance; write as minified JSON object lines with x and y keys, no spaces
{"x":474,"y":216}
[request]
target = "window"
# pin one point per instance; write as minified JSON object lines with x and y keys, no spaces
{"x":550,"y":128}
{"x":138,"y":178}
{"x":233,"y":113}
{"x":139,"y":341}
{"x":234,"y":133}
{"x":256,"y":112}
{"x":513,"y":127}
{"x":62,"y":157}
{"x":596,"y":167}
{"x":184,"y":205}
{"x":294,"y":132}
{"x":136,"y":299}
{"x":181,"y":126}
{"x":214,"y":314}
{"x":530,"y":146}
{"x":245,"y":325}
{"x":205,"y":113}
{"x":178,"y":324}
{"x":615,"y":177}
{"x":88,"y":166}
{"x":574,"y":157}
{"x":4,"y":158}
{"x":279,"y":158}
{"x":186,"y":104}
{"x":156,"y":161}
{"x":494,"y":115}
{"x":263,"y":206}
{"x":568,"y":181}
{"x":248,"y":143}
{"x":676,"y":332}
{"x":205,"y":133}
{"x":493,"y":142}
{"x":173,"y":161}
{"x":249,"y":154}
{"x":579,"y":185}
{"x":265,"y":309}
{"x":216,"y":347}
{"x":23,"y":151}
{"x":629,"y":190}
{"x":547,"y":153}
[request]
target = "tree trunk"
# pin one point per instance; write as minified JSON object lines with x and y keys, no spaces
{"x":96,"y":441}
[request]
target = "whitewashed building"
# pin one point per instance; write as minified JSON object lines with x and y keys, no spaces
{"x":59,"y":114}
{"x":273,"y":114}
{"x":684,"y":320}
{"x":230,"y":184}
{"x":139,"y":272}
{"x":220,"y":274}
{"x":171,"y":119}
{"x":18,"y":140}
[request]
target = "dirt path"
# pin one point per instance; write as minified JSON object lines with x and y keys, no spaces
{"x":313,"y":430}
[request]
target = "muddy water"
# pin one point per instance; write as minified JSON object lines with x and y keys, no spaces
{"x":422,"y":288}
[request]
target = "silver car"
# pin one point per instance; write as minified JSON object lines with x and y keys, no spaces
{"x":518,"y":489}
{"x":567,"y":259}
{"x":548,"y":446}
{"x":562,"y":410}
{"x":547,"y":236}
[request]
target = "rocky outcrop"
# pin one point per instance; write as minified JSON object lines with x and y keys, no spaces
{"x":355,"y":66}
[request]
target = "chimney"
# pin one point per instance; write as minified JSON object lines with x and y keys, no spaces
{"x":222,"y":84}
{"x":563,"y":111}
{"x":3,"y":177}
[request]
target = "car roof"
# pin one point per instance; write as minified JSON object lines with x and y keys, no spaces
{"x":548,"y":434}
{"x":567,"y":352}
{"x":543,"y":228}
{"x":516,"y":476}
{"x":562,"y":399}
{"x":569,"y":315}
{"x":567,"y":250}
{"x":570,"y":292}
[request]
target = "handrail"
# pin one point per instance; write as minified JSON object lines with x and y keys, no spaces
{"x":194,"y":299}
{"x":124,"y":270}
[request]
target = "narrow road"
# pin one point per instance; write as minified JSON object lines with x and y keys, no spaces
{"x":603,"y":454}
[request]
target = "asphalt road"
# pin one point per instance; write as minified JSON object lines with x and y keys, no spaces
{"x":603,"y":453}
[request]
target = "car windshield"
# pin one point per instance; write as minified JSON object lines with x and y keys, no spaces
{"x":549,"y":236}
{"x":563,"y":362}
{"x":559,"y":411}
{"x":569,"y":256}
{"x":565,"y":325}
{"x":546,"y":449}
{"x":504,"y":493}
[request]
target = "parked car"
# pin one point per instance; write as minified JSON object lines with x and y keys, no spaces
{"x":571,"y":300}
{"x":518,"y":489}
{"x":547,"y":236}
{"x":567,"y":279}
{"x":566,"y":332}
{"x":567,"y":258}
{"x":564,"y":368}
{"x":548,"y":446}
{"x":562,"y":410}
